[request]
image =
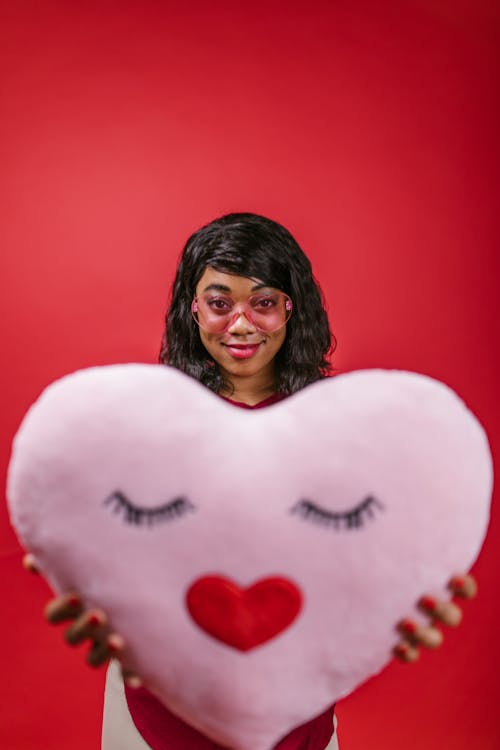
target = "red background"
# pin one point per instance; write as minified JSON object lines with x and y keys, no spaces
{"x":370,"y":129}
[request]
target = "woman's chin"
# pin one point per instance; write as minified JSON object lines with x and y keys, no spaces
{"x":246,"y":367}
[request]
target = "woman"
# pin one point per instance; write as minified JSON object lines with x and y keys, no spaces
{"x":247,"y":320}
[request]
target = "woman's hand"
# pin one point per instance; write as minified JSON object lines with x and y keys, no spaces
{"x":86,"y":625}
{"x":438,"y":611}
{"x":93,"y":625}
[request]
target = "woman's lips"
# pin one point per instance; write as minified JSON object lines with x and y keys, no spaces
{"x":242,"y":351}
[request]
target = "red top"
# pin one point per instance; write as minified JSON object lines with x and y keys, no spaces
{"x":162,"y":730}
{"x":267,"y":402}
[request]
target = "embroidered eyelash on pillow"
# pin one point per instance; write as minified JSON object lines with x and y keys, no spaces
{"x":256,"y":562}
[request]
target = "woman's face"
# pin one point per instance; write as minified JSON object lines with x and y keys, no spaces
{"x":241,"y":350}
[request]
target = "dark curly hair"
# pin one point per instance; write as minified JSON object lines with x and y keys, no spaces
{"x":249,"y":245}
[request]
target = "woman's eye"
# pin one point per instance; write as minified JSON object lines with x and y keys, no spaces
{"x":350,"y":519}
{"x":219,"y":305}
{"x":120,"y":504}
{"x":265,"y":303}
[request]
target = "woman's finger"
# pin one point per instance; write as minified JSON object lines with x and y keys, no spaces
{"x":98,"y":654}
{"x":29,"y":563}
{"x":463,"y":586}
{"x":103,"y":649}
{"x":115,"y":644}
{"x":131,"y":679}
{"x":406,"y":652}
{"x":420,"y":635}
{"x":65,"y":607}
{"x":446,"y":612}
{"x":91,"y":624}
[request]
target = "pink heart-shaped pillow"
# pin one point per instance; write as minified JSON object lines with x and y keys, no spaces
{"x":256,"y":562}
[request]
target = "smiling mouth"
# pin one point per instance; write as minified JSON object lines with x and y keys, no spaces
{"x":242,"y":351}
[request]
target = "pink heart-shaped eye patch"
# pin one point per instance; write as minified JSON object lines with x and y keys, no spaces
{"x":256,"y":562}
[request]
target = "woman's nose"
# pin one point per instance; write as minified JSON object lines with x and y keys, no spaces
{"x":241,"y":324}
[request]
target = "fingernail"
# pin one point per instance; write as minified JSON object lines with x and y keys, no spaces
{"x":74,"y":601}
{"x":458,"y":582}
{"x":94,"y":620}
{"x":429,"y":603}
{"x":408,"y":626}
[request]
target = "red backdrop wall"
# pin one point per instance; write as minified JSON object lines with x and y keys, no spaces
{"x":371,"y":131}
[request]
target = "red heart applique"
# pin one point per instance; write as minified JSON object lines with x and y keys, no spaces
{"x":243,"y":618}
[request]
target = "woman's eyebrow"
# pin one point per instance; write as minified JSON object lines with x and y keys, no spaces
{"x":224,"y":288}
{"x":217,"y":288}
{"x":261,"y":286}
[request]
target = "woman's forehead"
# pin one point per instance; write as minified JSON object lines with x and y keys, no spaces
{"x":214,"y":280}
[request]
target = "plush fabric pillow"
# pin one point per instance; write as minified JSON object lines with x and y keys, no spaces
{"x":256,"y":562}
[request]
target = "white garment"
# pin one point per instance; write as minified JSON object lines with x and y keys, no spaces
{"x":118,"y":729}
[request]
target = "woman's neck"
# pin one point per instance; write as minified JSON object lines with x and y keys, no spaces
{"x":249,"y":390}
